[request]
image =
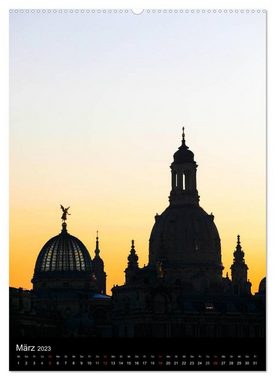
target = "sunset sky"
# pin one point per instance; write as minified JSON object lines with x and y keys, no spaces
{"x":97,"y":104}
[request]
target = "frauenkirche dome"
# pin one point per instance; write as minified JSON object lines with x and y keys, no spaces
{"x":184,"y":237}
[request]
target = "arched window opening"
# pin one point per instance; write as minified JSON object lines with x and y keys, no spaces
{"x":180,"y":181}
{"x":187,"y":180}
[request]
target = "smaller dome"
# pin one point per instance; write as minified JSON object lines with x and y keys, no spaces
{"x":262,"y":286}
{"x":63,"y":253}
{"x":183,"y":155}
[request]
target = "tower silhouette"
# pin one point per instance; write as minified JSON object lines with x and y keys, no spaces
{"x":98,"y":269}
{"x":132,"y":267}
{"x":239,"y":271}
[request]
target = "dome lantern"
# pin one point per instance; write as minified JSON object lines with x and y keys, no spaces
{"x":183,"y":176}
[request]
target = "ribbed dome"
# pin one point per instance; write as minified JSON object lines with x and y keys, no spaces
{"x":185,"y":235}
{"x":63,"y":253}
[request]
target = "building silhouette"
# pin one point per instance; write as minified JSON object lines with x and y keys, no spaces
{"x":181,"y":292}
{"x":69,"y":293}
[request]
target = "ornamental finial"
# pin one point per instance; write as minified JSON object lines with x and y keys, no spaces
{"x":64,"y":212}
{"x":183,"y":136}
{"x":64,"y":217}
{"x":238,"y":240}
{"x":97,"y":250}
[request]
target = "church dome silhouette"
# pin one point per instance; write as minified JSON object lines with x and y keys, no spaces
{"x":185,"y":234}
{"x":63,"y":253}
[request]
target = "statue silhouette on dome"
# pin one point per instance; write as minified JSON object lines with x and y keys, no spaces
{"x":65,"y":212}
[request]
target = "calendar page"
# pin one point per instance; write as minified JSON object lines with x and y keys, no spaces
{"x":137,"y":189}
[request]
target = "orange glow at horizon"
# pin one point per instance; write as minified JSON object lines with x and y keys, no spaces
{"x":97,"y":103}
{"x":32,"y":227}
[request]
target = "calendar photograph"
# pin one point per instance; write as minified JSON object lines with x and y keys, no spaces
{"x":137,"y":190}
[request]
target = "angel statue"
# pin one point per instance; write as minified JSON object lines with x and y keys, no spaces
{"x":65,"y":212}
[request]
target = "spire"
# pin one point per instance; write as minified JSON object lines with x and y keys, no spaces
{"x":133,"y":250}
{"x":183,"y":138}
{"x":238,"y":254}
{"x":97,"y":250}
{"x":98,"y":268}
{"x":238,"y":242}
{"x":132,"y":266}
{"x":239,"y":271}
{"x":133,"y":257}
